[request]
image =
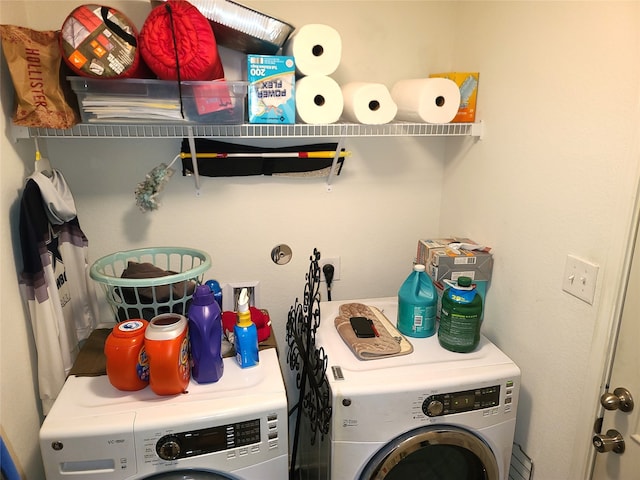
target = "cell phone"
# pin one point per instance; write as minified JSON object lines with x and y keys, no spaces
{"x":363,"y":327}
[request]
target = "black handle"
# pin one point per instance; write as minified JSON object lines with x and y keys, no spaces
{"x":117,"y":29}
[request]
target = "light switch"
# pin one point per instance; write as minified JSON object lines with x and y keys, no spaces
{"x":580,"y":278}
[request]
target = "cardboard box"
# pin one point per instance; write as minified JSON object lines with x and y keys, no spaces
{"x":451,"y":264}
{"x":427,"y":247}
{"x":468,"y":84}
{"x":271,"y":95}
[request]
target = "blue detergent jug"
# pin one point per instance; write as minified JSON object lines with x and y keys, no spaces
{"x":417,"y":304}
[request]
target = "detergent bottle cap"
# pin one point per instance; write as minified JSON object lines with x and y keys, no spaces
{"x":203,"y":295}
{"x":214,"y":285}
{"x":418,"y":267}
{"x":130,"y":329}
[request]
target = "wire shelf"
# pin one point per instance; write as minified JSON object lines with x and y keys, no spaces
{"x":401,"y":129}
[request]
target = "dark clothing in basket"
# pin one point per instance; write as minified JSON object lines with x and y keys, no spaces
{"x":152,"y":294}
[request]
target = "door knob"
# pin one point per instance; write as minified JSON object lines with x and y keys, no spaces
{"x":620,"y":399}
{"x":611,"y":442}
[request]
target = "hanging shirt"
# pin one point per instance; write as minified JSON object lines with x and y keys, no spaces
{"x":55,"y":279}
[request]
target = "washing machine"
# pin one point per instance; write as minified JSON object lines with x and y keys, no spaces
{"x":430,"y":414}
{"x":234,"y":429}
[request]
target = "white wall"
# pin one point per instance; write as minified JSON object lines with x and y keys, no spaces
{"x":19,"y":405}
{"x":554,"y":174}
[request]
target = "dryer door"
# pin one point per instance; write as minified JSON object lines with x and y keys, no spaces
{"x":433,"y":453}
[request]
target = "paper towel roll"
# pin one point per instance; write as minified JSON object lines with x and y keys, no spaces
{"x":368,"y":103}
{"x":317,"y":49}
{"x":431,"y":100}
{"x":318,"y":99}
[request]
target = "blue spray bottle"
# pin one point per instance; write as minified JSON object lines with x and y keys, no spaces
{"x":245,"y":333}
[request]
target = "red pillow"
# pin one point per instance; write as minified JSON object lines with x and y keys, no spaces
{"x":177,"y":39}
{"x":258,"y":316}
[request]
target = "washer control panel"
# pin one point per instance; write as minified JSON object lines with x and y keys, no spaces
{"x":208,"y":440}
{"x":462,"y":401}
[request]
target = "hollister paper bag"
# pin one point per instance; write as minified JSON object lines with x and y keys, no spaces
{"x":42,"y":96}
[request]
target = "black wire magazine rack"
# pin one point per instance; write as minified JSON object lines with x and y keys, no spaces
{"x":309,"y":362}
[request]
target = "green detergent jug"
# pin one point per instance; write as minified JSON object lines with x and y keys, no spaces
{"x":460,"y":317}
{"x":417,"y":304}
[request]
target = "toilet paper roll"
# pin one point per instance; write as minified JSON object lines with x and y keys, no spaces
{"x":316,"y":48}
{"x":430,"y":100}
{"x":318,"y":99}
{"x":368,"y":103}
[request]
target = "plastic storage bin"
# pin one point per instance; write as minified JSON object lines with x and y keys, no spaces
{"x":148,"y":297}
{"x":135,"y":100}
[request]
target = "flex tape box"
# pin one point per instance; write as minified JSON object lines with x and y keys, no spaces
{"x":271,"y":94}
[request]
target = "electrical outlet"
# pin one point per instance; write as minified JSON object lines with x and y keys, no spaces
{"x":231,"y":292}
{"x":335,"y":261}
{"x":580,"y":278}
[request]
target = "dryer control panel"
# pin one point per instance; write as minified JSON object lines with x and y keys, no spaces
{"x":463,"y":401}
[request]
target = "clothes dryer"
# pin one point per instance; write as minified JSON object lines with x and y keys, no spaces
{"x":234,"y":429}
{"x":431,"y":414}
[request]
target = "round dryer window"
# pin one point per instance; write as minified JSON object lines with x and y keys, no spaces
{"x":433,"y":453}
{"x":193,"y":475}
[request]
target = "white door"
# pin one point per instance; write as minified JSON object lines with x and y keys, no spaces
{"x":625,"y":375}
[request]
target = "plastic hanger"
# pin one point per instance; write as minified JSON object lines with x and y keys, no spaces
{"x":42,"y":164}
